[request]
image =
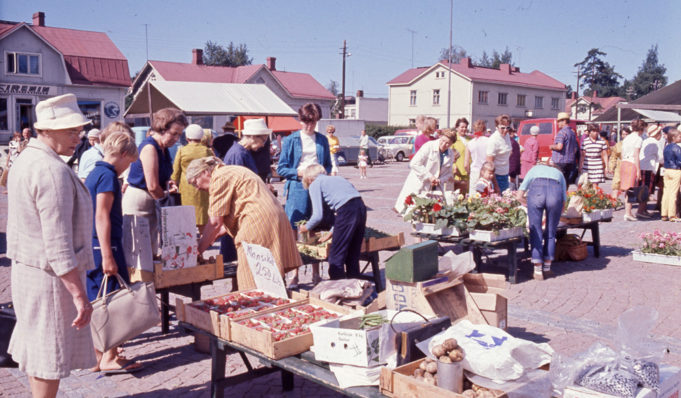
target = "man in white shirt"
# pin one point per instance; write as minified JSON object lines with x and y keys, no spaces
{"x":499,"y":151}
{"x":364,"y":144}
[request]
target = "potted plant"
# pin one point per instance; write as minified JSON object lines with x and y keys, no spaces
{"x":660,"y":247}
{"x":495,"y":217}
{"x":596,"y":205}
{"x":430,"y":214}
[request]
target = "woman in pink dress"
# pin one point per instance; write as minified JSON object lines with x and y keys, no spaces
{"x":530,"y":152}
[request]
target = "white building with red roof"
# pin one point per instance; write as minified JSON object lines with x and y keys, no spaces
{"x":40,"y":61}
{"x":294,"y":88}
{"x":476,"y":93}
{"x":589,"y":107}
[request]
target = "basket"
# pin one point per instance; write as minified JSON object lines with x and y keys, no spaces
{"x":571,"y":248}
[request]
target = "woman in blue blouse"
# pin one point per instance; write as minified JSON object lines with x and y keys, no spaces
{"x":149,"y":177}
{"x":546,"y":191}
{"x":300,"y":150}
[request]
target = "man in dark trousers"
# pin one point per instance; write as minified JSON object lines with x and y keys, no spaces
{"x":565,"y":148}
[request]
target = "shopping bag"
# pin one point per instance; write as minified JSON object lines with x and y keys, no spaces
{"x":124,"y":314}
{"x":638,"y":194}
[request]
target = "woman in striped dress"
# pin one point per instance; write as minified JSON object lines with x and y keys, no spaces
{"x":594,"y":156}
{"x":244,"y":206}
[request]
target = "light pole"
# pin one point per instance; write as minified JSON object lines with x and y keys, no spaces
{"x":449,"y":65}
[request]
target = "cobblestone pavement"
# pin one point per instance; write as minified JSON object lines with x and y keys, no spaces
{"x":576,"y":308}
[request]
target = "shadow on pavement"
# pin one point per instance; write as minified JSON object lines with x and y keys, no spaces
{"x":522,"y":333}
{"x":5,"y":262}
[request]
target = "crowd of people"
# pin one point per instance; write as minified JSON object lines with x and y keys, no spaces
{"x":65,"y":229}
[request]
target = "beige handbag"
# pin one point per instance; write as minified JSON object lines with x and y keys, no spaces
{"x":124,"y":314}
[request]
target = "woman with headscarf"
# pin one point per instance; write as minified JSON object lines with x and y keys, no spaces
{"x":431,"y":168}
{"x":242,"y":206}
{"x":189,"y":195}
{"x":49,"y":239}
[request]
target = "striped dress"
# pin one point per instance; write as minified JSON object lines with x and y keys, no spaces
{"x":593,"y":159}
{"x":252,"y":214}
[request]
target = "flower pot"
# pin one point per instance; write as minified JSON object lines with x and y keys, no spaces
{"x":597,"y":214}
{"x":493,"y":236}
{"x":657,"y":258}
{"x":427,"y":228}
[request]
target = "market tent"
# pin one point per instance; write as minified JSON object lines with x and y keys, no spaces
{"x":659,"y":116}
{"x":668,"y":95}
{"x":199,"y":98}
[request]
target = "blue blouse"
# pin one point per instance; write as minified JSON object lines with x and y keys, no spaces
{"x":543,"y":171}
{"x":237,"y":155}
{"x":165,"y":166}
{"x":103,"y":178}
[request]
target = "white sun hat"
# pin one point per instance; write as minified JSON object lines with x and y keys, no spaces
{"x":193,"y":132}
{"x":59,"y":113}
{"x":255,"y":127}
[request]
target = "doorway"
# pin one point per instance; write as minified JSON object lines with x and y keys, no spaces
{"x":24,"y":113}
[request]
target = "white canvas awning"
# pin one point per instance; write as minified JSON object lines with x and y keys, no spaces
{"x":659,"y":116}
{"x":198,"y":98}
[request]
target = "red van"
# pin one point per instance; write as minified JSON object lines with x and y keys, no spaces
{"x":547,"y":133}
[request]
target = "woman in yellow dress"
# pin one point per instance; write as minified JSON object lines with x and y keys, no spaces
{"x":245,"y":208}
{"x":190,"y":195}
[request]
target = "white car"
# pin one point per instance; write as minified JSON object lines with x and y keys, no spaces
{"x":397,"y":147}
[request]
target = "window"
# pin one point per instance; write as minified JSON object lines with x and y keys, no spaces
{"x":3,"y":114}
{"x":412,"y":97}
{"x":544,"y":128}
{"x":23,"y":64}
{"x":440,"y":75}
{"x":482,"y":97}
{"x":412,"y":122}
{"x":538,"y":102}
{"x":520,"y":101}
{"x":502,"y":98}
{"x":554,"y":103}
{"x":436,"y":97}
{"x":91,"y":111}
{"x":352,"y":113}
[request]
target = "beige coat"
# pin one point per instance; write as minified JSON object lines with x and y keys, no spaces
{"x":425,"y":165}
{"x":49,"y":233}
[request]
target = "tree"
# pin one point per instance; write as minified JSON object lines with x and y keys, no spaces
{"x":569,"y":91}
{"x":650,"y":76}
{"x":233,"y":55}
{"x":484,"y":60}
{"x":333,"y":87}
{"x":457,"y":53}
{"x":599,"y":75}
{"x":496,"y":60}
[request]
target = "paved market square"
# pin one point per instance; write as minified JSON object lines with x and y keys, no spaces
{"x":577,"y":307}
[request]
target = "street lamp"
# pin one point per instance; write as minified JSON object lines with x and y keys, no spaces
{"x":528,"y":113}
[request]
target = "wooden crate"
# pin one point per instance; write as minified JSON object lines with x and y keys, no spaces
{"x":177,"y":277}
{"x":263,"y":341}
{"x":318,"y":252}
{"x":399,"y":383}
{"x":385,"y":243}
{"x":377,"y":304}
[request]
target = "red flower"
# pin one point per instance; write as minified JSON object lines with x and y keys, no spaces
{"x":437,"y":207}
{"x":408,"y":201}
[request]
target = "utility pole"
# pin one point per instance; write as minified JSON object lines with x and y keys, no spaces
{"x":146,"y":40}
{"x":449,"y":66}
{"x":579,"y":76}
{"x":341,"y":112}
{"x":413,"y":32}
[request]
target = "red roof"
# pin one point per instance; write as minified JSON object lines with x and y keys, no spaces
{"x":604,"y":103}
{"x":91,"y":57}
{"x":297,"y":84}
{"x":506,"y":74}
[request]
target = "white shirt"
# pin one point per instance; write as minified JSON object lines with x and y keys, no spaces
{"x":309,"y":154}
{"x":364,"y":141}
{"x":478,"y":149}
{"x":500,"y":147}
{"x":650,"y":154}
{"x":632,"y":142}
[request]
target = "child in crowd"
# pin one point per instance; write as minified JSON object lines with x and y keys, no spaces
{"x":119,"y":152}
{"x":362,"y":161}
{"x":486,"y":184}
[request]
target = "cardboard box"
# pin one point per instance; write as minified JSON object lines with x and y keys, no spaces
{"x":399,"y":383}
{"x":476,"y":297}
{"x":342,"y":341}
{"x":670,"y":385}
{"x":413,"y":263}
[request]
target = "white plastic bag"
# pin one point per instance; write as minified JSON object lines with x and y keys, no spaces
{"x":491,"y":352}
{"x":458,"y":264}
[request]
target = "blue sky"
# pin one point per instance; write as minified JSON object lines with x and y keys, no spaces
{"x":306,"y":36}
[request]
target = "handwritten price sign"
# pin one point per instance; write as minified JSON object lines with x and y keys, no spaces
{"x":265,"y":270}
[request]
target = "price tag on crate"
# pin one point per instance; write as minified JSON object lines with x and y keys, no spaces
{"x":265,"y":271}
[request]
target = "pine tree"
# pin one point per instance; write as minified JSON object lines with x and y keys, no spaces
{"x":650,"y":76}
{"x":599,"y":75}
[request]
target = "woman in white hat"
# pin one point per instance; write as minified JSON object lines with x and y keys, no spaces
{"x":254,"y":136}
{"x":191,"y":196}
{"x":49,"y":239}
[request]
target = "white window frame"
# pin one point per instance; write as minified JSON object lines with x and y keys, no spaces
{"x":436,"y":96}
{"x":16,"y":64}
{"x":412,"y":97}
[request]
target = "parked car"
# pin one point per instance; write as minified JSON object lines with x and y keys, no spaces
{"x":547,"y":133}
{"x":349,"y":150}
{"x":396,"y":147}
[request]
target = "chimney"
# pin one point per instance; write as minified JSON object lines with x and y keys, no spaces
{"x":271,"y":63}
{"x":39,"y":18}
{"x":506,"y":68}
{"x":466,"y":62}
{"x":360,"y":93}
{"x":515,"y":69}
{"x":574,"y":95}
{"x":197,"y":56}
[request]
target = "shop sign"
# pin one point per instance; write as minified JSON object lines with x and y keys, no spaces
{"x":112,"y":110}
{"x":30,"y":89}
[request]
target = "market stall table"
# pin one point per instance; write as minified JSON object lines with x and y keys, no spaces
{"x":592,"y":226}
{"x":303,"y":365}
